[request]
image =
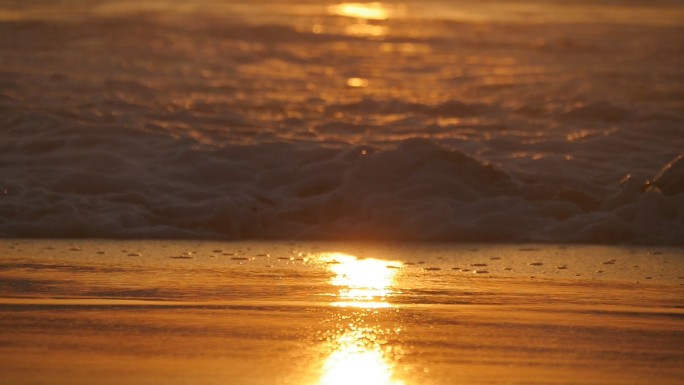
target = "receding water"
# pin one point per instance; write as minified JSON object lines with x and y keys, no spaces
{"x":83,"y":312}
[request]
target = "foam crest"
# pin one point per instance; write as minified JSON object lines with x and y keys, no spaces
{"x":79,"y":182}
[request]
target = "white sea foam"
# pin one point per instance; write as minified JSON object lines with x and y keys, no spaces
{"x":240,"y":121}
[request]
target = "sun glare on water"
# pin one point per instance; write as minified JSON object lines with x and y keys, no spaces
{"x":355,"y":363}
{"x":368,"y":17}
{"x":362,"y":283}
{"x":367,"y":11}
{"x":359,"y":352}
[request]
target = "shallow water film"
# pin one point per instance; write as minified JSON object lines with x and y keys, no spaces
{"x":553,"y":121}
{"x":151,"y":312}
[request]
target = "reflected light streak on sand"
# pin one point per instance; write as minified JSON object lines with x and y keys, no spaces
{"x":363,"y":283}
{"x":358,"y":360}
{"x":360,"y":355}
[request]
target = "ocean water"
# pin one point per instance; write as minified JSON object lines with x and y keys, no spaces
{"x":509,"y":121}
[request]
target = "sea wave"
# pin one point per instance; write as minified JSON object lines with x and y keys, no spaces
{"x":77,"y":182}
{"x":444,"y":121}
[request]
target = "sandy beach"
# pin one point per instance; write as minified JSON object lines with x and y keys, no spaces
{"x":189,"y":312}
{"x":309,"y":192}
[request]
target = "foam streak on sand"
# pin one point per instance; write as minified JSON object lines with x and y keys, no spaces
{"x":439,"y":120}
{"x":127,"y":312}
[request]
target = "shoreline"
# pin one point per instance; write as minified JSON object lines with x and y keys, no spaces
{"x":322,"y":313}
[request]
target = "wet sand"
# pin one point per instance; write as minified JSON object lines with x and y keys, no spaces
{"x":150,"y":312}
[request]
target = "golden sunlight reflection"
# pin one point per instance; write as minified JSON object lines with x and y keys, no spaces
{"x":362,"y":282}
{"x":363,"y":29}
{"x":366,"y":11}
{"x":358,"y":359}
{"x":361,"y":353}
{"x":357,"y":82}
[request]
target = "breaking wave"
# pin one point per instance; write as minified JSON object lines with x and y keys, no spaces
{"x":440,"y":121}
{"x":75,"y":182}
